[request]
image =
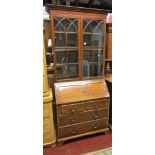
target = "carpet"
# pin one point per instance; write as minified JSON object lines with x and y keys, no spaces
{"x":107,"y":151}
{"x":81,"y":145}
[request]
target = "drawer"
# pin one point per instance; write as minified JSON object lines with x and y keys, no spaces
{"x":83,"y":128}
{"x":71,"y":108}
{"x":45,"y":110}
{"x":83,"y":117}
{"x":97,"y":104}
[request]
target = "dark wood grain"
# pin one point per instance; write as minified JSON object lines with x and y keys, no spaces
{"x":77,"y":9}
{"x":79,"y":116}
{"x":83,"y":116}
{"x":83,"y":128}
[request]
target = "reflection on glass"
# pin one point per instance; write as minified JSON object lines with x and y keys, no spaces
{"x":87,"y":40}
{"x":97,"y":40}
{"x":73,"y":57}
{"x":59,"y":39}
{"x":90,"y":69}
{"x":92,"y":56}
{"x":66,"y":57}
{"x":67,"y":71}
{"x":93,"y":41}
{"x":72,"y":39}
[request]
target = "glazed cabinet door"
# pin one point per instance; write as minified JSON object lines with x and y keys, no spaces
{"x":93,"y":38}
{"x":66,"y":46}
{"x":78,"y":44}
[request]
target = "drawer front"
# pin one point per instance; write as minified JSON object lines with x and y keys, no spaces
{"x":71,"y":108}
{"x":83,"y":128}
{"x":45,"y":110}
{"x":83,"y":116}
{"x":97,"y":104}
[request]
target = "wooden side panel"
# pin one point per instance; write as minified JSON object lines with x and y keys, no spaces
{"x":109,"y":42}
{"x":48,"y":121}
{"x":45,"y":80}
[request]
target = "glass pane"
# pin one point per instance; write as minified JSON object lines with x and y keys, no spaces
{"x":58,"y":25}
{"x":66,"y":57}
{"x":65,"y":24}
{"x":92,"y":69}
{"x":72,"y":39}
{"x":89,"y":25}
{"x":66,"y":47}
{"x":72,"y":57}
{"x":66,"y":31}
{"x":60,"y":39}
{"x":93,"y":47}
{"x":60,"y":57}
{"x":92,"y":56}
{"x":97,"y":40}
{"x":92,"y":26}
{"x":93,"y":33}
{"x":72,"y":25}
{"x":67,"y":71}
{"x":87,"y":40}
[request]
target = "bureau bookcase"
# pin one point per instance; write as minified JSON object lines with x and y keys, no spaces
{"x":81,"y":95}
{"x":78,"y":45}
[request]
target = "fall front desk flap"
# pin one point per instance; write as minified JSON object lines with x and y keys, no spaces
{"x":80,"y":91}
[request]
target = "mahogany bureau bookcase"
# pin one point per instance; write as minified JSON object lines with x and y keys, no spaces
{"x":81,"y":95}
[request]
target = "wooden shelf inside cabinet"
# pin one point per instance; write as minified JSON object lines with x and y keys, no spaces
{"x":92,"y":33}
{"x":75,"y":35}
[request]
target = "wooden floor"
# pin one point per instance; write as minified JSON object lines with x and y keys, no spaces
{"x":82,"y":145}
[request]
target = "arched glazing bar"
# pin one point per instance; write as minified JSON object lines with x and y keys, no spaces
{"x":72,"y":23}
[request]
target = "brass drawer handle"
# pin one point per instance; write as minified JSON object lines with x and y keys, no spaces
{"x":73,"y":110}
{"x":95,"y":127}
{"x":95,"y":106}
{"x":96,"y":116}
{"x":73,"y":132}
{"x":73,"y":120}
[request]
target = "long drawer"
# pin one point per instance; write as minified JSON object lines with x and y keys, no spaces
{"x":97,"y":104}
{"x":83,"y":128}
{"x":83,"y":116}
{"x":82,"y":106}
